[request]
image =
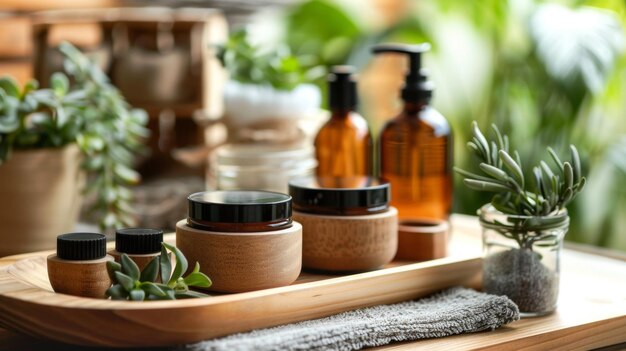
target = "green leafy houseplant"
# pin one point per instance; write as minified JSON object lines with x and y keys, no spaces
{"x":131,"y":284}
{"x":85,"y":109}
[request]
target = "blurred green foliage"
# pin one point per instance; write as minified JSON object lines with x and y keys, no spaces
{"x":548,"y":73}
{"x":279,"y":68}
{"x":88,"y":111}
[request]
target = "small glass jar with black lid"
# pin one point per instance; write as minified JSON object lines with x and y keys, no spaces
{"x":347,"y":222}
{"x":244,"y":240}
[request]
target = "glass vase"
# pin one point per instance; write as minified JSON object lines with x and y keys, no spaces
{"x":522,"y":258}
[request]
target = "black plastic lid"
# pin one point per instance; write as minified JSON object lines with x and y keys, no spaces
{"x":340,"y":196}
{"x":239,"y":206}
{"x":138,"y":240}
{"x":81,"y":246}
{"x":417,"y":87}
{"x":342,"y":88}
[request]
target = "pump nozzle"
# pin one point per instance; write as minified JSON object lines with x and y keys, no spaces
{"x":416,"y":86}
{"x":342,"y":88}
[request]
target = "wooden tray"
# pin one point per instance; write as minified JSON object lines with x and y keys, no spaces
{"x":28,"y":304}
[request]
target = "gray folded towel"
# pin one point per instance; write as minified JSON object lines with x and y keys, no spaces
{"x":452,"y":311}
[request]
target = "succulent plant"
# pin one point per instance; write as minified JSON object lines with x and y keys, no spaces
{"x":542,"y":198}
{"x":131,"y":284}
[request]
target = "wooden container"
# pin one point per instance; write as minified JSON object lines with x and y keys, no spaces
{"x":348,"y":224}
{"x":423,"y":239}
{"x":248,"y":261}
{"x":348,"y":243}
{"x":140,"y":244}
{"x":79,"y":278}
{"x":41,"y":197}
{"x":79,"y":266}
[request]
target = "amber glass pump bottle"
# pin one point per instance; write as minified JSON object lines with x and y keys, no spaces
{"x":343,"y":146}
{"x":416,"y":146}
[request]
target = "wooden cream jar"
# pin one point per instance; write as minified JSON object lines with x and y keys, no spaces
{"x":80,"y":265}
{"x":347,"y":223}
{"x":243,"y":240}
{"x":142,"y":245}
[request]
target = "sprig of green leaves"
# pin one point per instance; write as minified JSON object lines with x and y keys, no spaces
{"x":131,"y":284}
{"x":502,"y":173}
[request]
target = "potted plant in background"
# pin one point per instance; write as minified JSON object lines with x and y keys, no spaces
{"x":266,"y":90}
{"x":49,"y":139}
{"x":524,"y":225}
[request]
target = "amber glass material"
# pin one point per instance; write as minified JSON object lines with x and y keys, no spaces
{"x":343,"y":146}
{"x":416,"y":158}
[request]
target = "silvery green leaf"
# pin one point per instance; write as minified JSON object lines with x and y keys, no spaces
{"x":513,"y":167}
{"x":494,"y":172}
{"x":484,"y":186}
{"x":555,"y":157}
{"x":575,"y":163}
{"x":59,"y":83}
{"x":9,"y":85}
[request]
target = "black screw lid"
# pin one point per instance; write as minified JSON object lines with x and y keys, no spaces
{"x":340,"y":195}
{"x":239,"y":206}
{"x":81,"y":246}
{"x":342,"y":88}
{"x":138,"y":240}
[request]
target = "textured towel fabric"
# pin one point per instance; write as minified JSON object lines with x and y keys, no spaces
{"x":453,"y":311}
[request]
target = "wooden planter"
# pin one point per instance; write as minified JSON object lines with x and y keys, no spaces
{"x":41,"y":198}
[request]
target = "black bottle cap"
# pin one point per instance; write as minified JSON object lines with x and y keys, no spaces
{"x":340,"y":196}
{"x":138,"y":240}
{"x":81,"y":246}
{"x":417,"y":87}
{"x":239,"y":206}
{"x":342,"y":88}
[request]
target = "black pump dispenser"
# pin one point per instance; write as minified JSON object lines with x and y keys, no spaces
{"x":342,"y":88}
{"x":417,"y":87}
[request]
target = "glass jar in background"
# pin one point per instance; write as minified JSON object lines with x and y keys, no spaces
{"x":522,"y":258}
{"x":259,"y":167}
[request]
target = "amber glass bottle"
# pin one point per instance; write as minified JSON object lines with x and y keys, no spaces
{"x":416,"y":147}
{"x":344,"y":144}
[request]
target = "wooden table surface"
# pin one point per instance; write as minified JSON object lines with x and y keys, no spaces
{"x":591,"y":314}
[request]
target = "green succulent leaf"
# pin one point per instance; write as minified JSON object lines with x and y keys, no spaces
{"x":117,"y":292}
{"x":150,"y":271}
{"x":198,"y":279}
{"x":485,"y":186}
{"x":127,"y":282}
{"x":129,"y":267}
{"x":152,"y":289}
{"x":137,"y":295}
{"x":113,"y":267}
{"x":190,"y":294}
{"x":513,"y":167}
{"x":181,"y":264}
{"x":165,"y":261}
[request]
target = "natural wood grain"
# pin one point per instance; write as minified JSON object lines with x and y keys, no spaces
{"x":27,"y":304}
{"x":240,"y":262}
{"x":348,"y":243}
{"x":78,"y":278}
{"x":421,"y":240}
